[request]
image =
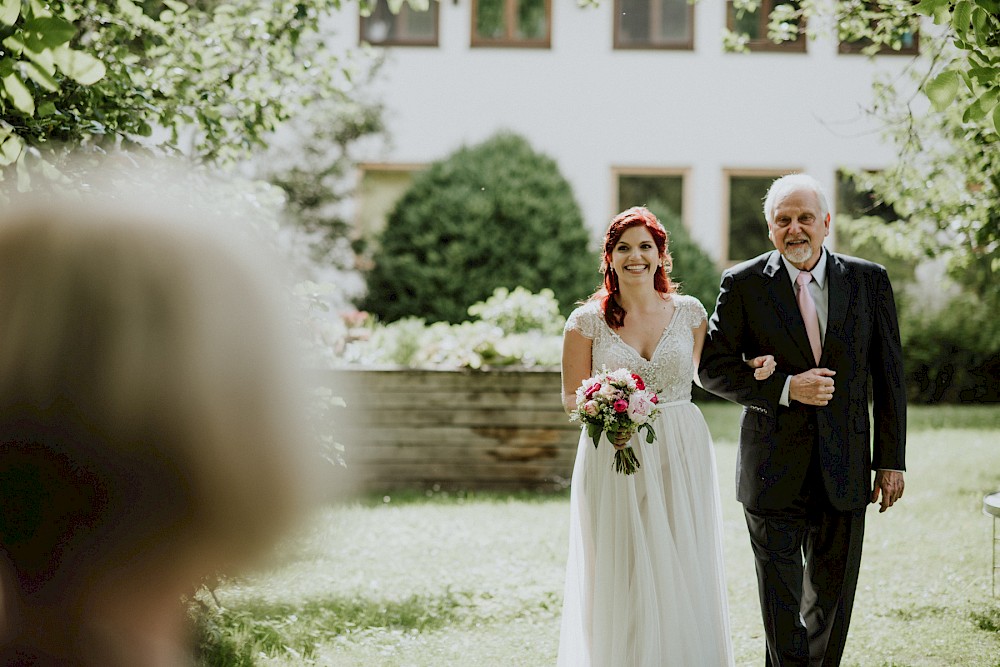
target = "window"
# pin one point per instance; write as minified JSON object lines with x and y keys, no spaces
{"x":753,"y":24}
{"x":380,"y":187}
{"x":408,"y":27}
{"x":511,"y":23}
{"x":660,"y":191}
{"x":904,"y":38}
{"x":747,"y":234}
{"x":852,"y":203}
{"x":858,"y":203}
{"x":654,"y":24}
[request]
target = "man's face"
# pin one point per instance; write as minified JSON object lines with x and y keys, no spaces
{"x":798,"y":229}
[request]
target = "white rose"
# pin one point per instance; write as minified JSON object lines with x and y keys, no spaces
{"x":639,"y":408}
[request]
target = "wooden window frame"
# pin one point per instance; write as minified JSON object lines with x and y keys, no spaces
{"x":727,"y":176}
{"x":687,"y":45}
{"x":764,"y":44}
{"x":508,"y":41}
{"x":432,"y":41}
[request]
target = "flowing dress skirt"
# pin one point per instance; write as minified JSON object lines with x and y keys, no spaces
{"x":645,"y":584}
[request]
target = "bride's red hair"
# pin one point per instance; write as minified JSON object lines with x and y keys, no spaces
{"x":614,"y":314}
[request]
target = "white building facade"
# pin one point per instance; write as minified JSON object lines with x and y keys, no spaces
{"x":629,"y":97}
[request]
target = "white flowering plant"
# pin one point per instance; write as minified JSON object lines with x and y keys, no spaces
{"x":617,"y":403}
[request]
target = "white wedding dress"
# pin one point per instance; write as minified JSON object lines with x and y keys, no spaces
{"x":645,"y":585}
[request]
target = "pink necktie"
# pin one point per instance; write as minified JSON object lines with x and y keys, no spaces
{"x":808,"y":309}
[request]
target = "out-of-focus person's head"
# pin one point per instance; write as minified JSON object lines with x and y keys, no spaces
{"x":149,"y":422}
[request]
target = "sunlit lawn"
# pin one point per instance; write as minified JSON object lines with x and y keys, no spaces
{"x":477,"y":580}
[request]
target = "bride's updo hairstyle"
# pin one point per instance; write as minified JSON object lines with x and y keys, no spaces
{"x":614,"y":314}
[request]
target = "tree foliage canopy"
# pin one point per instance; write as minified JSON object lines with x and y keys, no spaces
{"x":209,"y":78}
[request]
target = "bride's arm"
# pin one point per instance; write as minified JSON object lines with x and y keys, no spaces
{"x":576,"y":366}
{"x":699,"y":343}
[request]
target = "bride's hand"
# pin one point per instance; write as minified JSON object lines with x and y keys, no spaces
{"x":620,"y":438}
{"x":763,"y":366}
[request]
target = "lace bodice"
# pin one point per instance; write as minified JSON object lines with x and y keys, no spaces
{"x":671,"y":369}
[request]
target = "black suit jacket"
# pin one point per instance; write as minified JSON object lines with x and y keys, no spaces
{"x":757,"y":314}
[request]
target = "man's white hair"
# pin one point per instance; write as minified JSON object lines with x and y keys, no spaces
{"x":789,"y":183}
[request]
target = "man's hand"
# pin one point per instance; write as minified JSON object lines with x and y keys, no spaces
{"x":814,"y":387}
{"x":890,"y":484}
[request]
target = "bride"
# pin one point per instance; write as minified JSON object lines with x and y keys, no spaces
{"x":645,"y":585}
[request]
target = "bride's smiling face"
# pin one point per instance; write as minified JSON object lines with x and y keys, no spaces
{"x":635,"y":256}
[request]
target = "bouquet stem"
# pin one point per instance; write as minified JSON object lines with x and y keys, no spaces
{"x":626,"y":462}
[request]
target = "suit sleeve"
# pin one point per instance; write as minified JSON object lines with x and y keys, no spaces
{"x":723,"y":370}
{"x":888,"y":386}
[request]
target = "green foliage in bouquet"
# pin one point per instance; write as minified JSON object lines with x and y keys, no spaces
{"x":497,"y":214}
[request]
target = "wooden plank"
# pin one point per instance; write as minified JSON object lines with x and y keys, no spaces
{"x":459,"y":457}
{"x":416,"y":417}
{"x":458,"y":437}
{"x":423,"y":380}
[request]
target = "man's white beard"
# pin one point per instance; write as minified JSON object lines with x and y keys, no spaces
{"x":799,"y":254}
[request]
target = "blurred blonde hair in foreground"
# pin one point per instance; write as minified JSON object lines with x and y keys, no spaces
{"x":150,"y":416}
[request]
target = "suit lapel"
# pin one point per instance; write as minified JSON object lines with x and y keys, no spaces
{"x":838,"y":293}
{"x":783,"y":298}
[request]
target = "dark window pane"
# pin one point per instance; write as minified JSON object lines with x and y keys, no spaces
{"x":749,"y":23}
{"x":747,"y":227}
{"x":651,"y":23}
{"x":674,"y":21}
{"x":490,"y":19}
{"x":663,"y":192}
{"x":634,"y":22}
{"x":531,"y":19}
{"x":408,"y":26}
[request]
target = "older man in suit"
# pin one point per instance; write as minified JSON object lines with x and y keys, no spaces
{"x":806,"y":456}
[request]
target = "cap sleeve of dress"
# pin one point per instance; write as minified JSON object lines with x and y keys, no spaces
{"x":695,"y":311}
{"x":584,"y":320}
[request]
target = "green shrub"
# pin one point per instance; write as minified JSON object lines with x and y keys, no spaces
{"x":950,"y":333}
{"x":493,"y":215}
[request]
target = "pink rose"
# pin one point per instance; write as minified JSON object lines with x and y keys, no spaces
{"x":592,"y":389}
{"x":639,"y":384}
{"x":654,"y":399}
{"x":621,"y":405}
{"x":590,"y":408}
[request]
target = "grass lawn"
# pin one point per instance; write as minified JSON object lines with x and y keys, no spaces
{"x":473,"y":579}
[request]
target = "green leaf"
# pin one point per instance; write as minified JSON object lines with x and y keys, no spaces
{"x":18,"y":94}
{"x":10,"y":10}
{"x":82,"y":67}
{"x":941,"y":90}
{"x":46,"y":109}
{"x":938,"y":9}
{"x":961,"y":16}
{"x":10,"y":149}
{"x":985,"y":75}
{"x":594,"y":431}
{"x":996,"y":119}
{"x":41,"y":77}
{"x":50,"y":31}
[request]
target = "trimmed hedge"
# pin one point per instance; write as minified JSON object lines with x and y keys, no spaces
{"x":497,"y":214}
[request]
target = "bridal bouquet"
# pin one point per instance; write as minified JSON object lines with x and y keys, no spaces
{"x":616,"y":402}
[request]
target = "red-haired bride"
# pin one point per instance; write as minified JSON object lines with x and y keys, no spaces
{"x":645,"y":585}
